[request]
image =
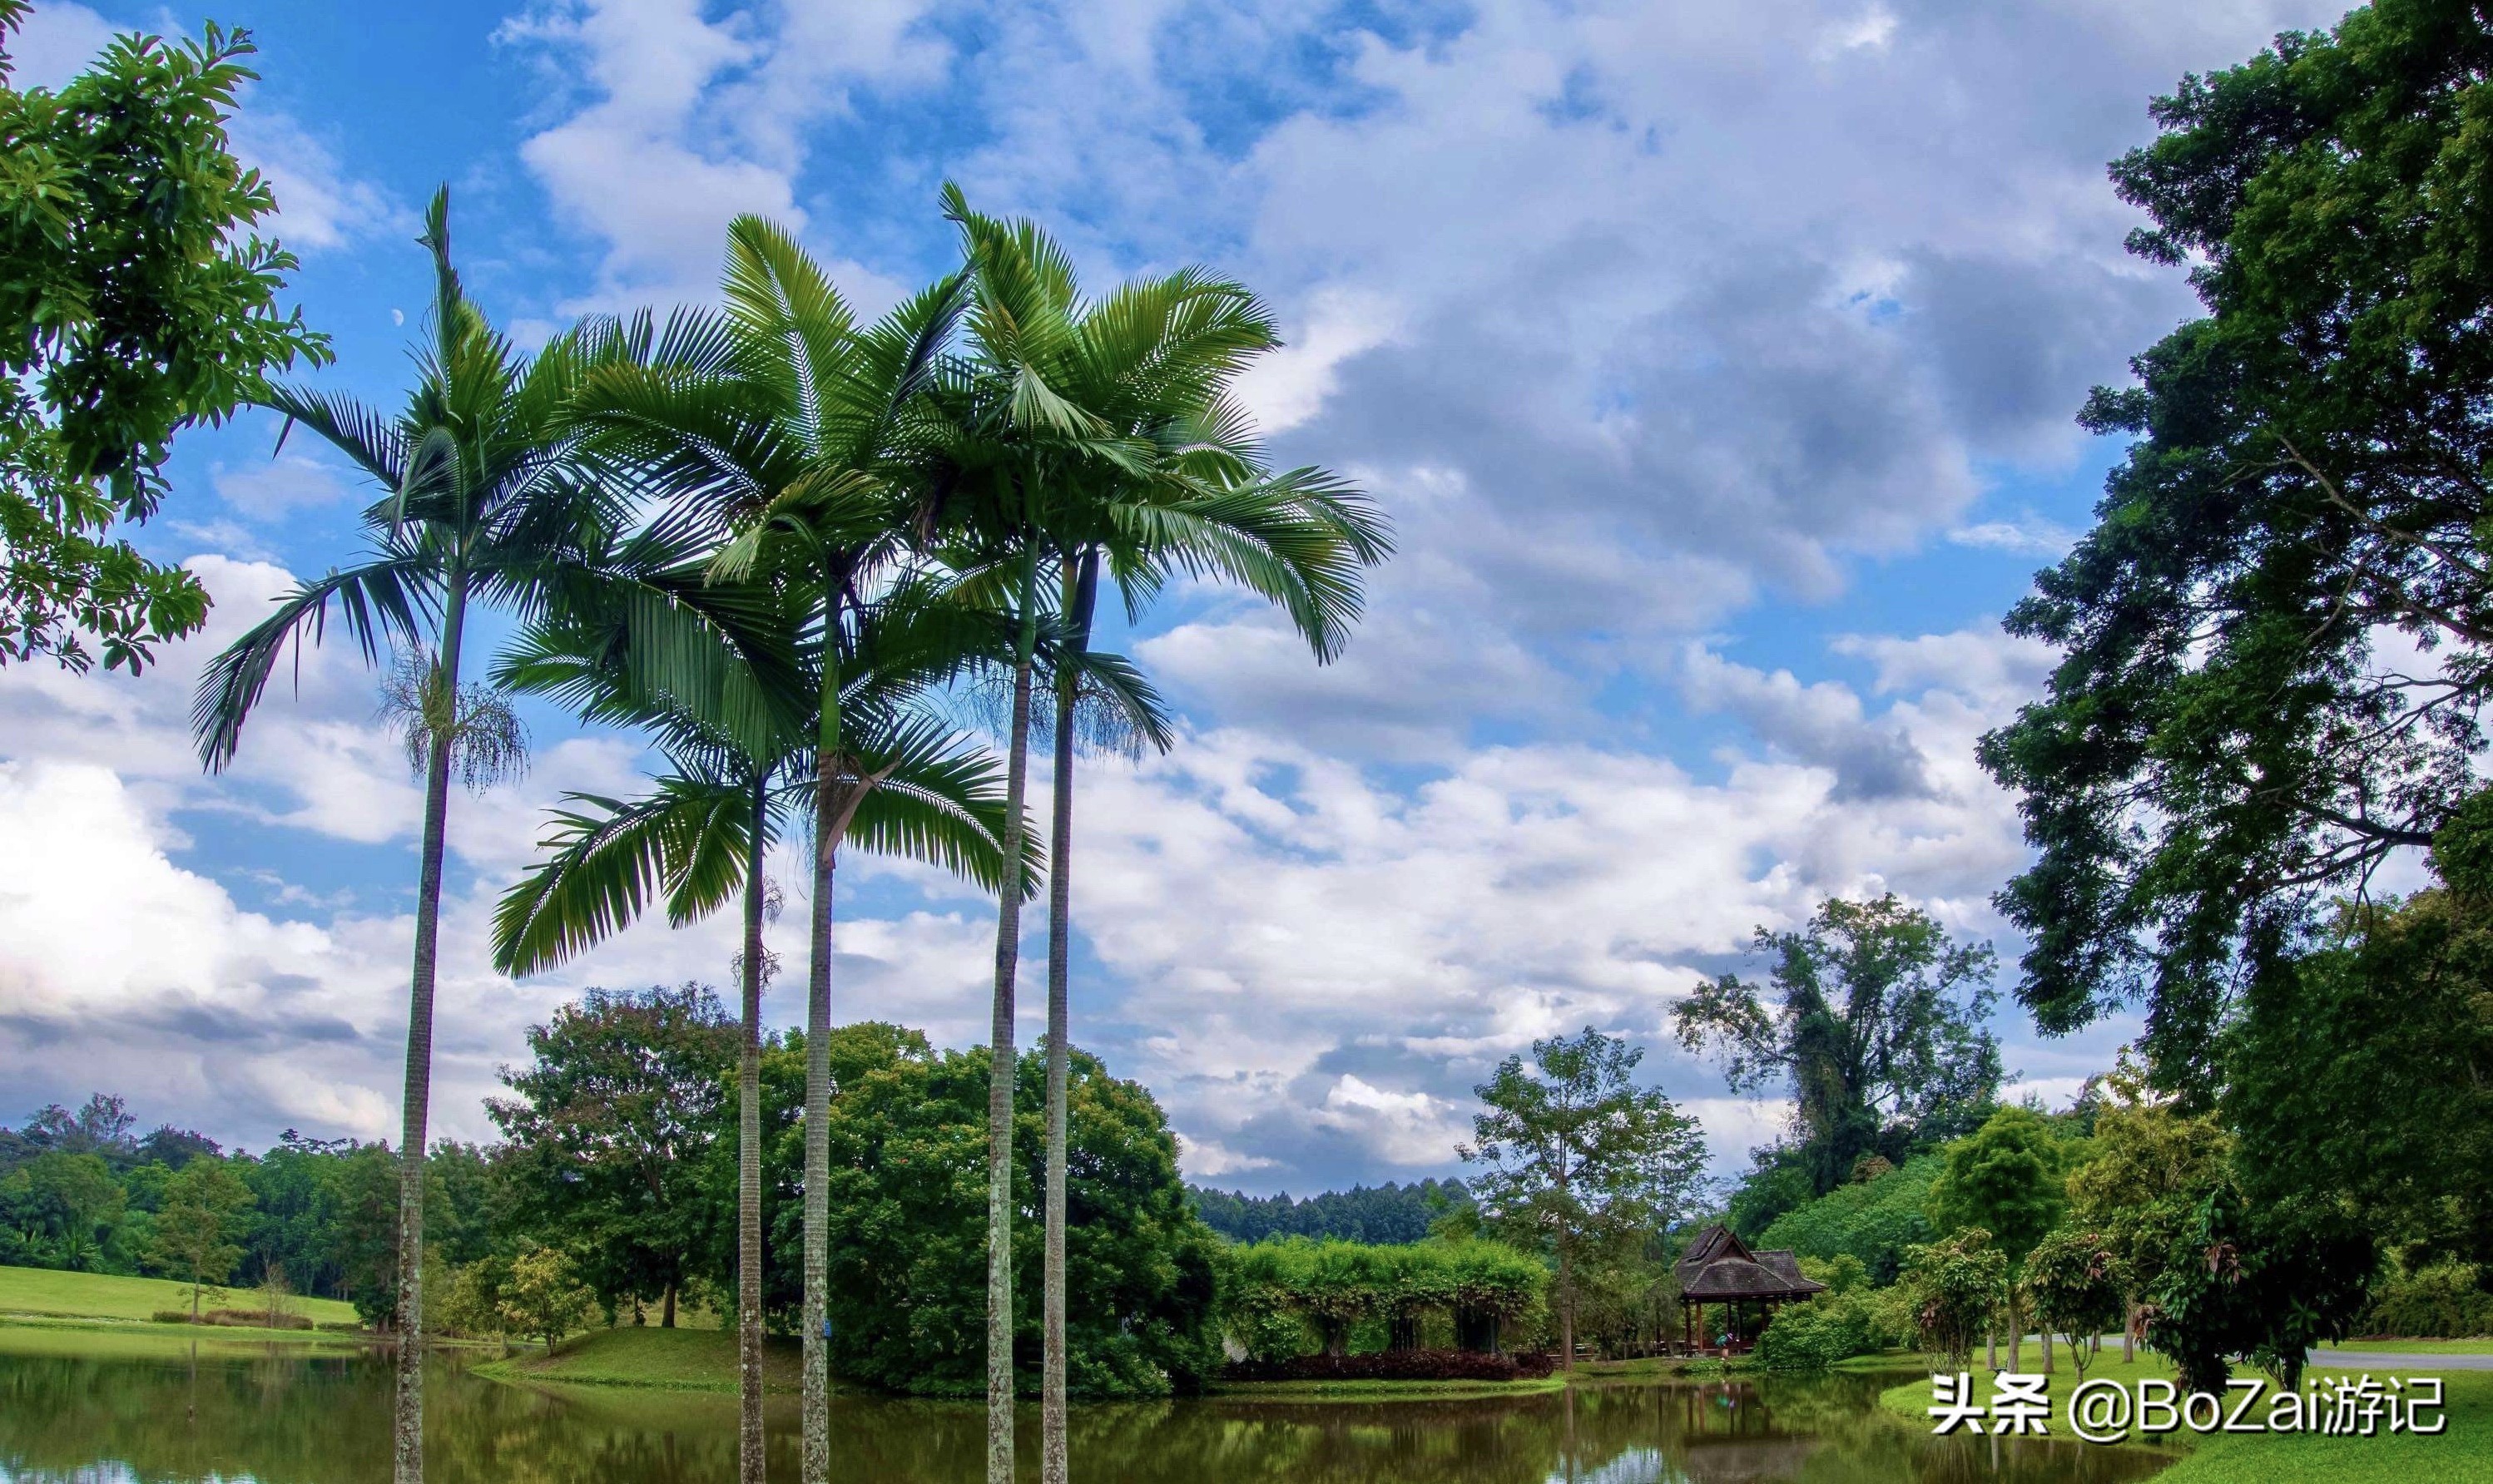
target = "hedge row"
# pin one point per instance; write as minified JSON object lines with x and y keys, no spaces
{"x":1394,"y":1365}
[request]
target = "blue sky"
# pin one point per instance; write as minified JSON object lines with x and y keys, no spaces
{"x":1716,"y":364}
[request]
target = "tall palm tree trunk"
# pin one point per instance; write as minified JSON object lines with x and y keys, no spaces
{"x":1051,"y":1428}
{"x":751,"y":1466}
{"x":407,"y":1438}
{"x":1079,"y":587}
{"x":818,"y":1072}
{"x":999,"y":1075}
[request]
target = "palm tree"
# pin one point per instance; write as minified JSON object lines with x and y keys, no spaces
{"x":701,"y":835}
{"x":799,"y":444}
{"x":1094,"y":431}
{"x":1153,"y":361}
{"x":484,"y":504}
{"x":1016,"y":435}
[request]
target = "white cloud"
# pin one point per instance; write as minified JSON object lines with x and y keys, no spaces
{"x":319,"y":206}
{"x":675,"y":124}
{"x":56,"y":44}
{"x":1205,"y":1159}
{"x":273,"y":491}
{"x":2031,"y":536}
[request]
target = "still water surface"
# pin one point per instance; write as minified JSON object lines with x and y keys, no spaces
{"x":283,"y":1418}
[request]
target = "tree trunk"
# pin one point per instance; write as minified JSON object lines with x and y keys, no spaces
{"x":752,"y":1467}
{"x":407,"y":1464}
{"x":1566,"y":1311}
{"x":2128,"y":1331}
{"x":817,"y":1464}
{"x":2043,"y":1334}
{"x":999,"y":1042}
{"x":2016,"y":1329}
{"x":1080,"y":585}
{"x":667,"y":1310}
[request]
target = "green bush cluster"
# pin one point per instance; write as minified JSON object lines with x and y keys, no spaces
{"x":1281,"y":1298}
{"x":1849,"y":1318}
{"x":2445,"y":1301}
{"x":1873,"y":1221}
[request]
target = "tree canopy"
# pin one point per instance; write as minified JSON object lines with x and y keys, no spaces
{"x":1575,"y":1152}
{"x":2276,"y":637}
{"x":137,"y":301}
{"x":1876,"y":1030}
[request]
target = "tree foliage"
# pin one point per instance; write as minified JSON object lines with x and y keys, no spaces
{"x":613,"y":1125}
{"x":137,"y":301}
{"x":1579,"y":1154}
{"x":1387,"y":1213}
{"x":2362,"y":1071}
{"x":1872,"y":1222}
{"x":1875,"y":1031}
{"x":2274,"y":636}
{"x":1958,"y":1284}
{"x":2079,"y":1289}
{"x":907,"y":1235}
{"x":204,"y":1212}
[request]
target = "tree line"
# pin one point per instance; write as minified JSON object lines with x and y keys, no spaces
{"x":1387,"y":1213}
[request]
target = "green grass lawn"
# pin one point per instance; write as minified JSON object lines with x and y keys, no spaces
{"x":2460,"y":1454}
{"x":2478,"y":1347}
{"x":674,"y":1359}
{"x":43,"y":1292}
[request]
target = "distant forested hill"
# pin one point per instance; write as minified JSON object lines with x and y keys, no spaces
{"x":1364,"y":1213}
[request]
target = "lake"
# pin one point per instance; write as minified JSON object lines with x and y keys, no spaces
{"x":282,"y":1417}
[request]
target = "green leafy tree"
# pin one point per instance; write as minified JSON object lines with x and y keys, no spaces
{"x":66,"y":1209}
{"x":1870,"y":1222}
{"x":1580,"y":1153}
{"x":205,"y":1211}
{"x":139,"y":301}
{"x":1958,"y":1284}
{"x":1875,"y":1029}
{"x":2010,"y":1180}
{"x":2078,"y":1289}
{"x":611,"y":1127}
{"x":2148,"y":1167}
{"x":2234,"y":730}
{"x":908,"y":1242}
{"x":2362,"y":1071}
{"x":543,"y":1296}
{"x":2262,"y":1284}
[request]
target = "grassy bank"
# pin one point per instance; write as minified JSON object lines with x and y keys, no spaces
{"x":44,"y":1296}
{"x":2462,"y":1453}
{"x":1379,"y":1390}
{"x":670,"y":1359}
{"x":2482,"y":1346}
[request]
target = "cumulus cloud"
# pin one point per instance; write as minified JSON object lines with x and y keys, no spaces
{"x":1316,"y":965}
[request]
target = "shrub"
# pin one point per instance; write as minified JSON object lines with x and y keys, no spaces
{"x":1815,"y":1335}
{"x":2445,"y":1300}
{"x":1394,"y":1365}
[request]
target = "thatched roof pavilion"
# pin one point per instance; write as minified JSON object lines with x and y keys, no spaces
{"x":1719,"y":1269}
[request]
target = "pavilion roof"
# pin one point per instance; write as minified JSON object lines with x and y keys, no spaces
{"x":1718,"y":1265}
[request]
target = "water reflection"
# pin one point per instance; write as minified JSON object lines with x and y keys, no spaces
{"x":284,"y":1418}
